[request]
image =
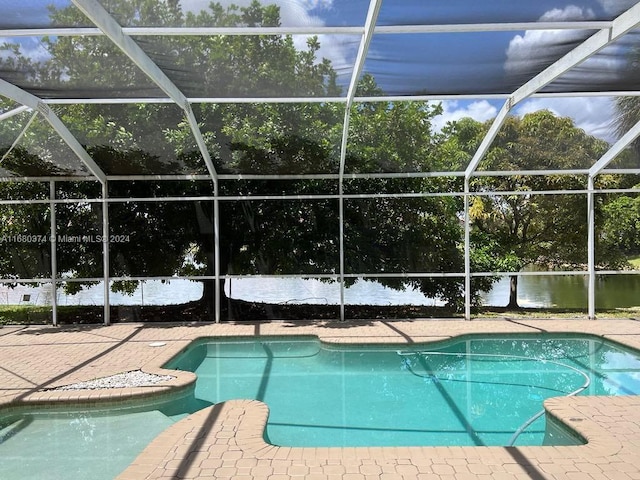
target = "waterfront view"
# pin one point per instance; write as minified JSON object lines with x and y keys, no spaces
{"x":533,"y":292}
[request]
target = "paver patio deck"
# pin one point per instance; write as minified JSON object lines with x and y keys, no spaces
{"x":225,"y":441}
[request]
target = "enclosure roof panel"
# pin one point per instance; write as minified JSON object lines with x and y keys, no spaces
{"x":236,"y":71}
{"x":40,"y":151}
{"x":194,"y":13}
{"x":463,"y":47}
{"x":28,"y":14}
{"x":123,"y":146}
{"x":419,"y":12}
{"x":611,"y":69}
{"x":73,"y":67}
{"x":291,"y":51}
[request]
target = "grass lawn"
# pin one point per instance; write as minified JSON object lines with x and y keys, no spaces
{"x":33,"y":315}
{"x":69,"y":315}
{"x":21,"y":314}
{"x":635,"y":262}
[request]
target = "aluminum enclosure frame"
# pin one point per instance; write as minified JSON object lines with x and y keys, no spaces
{"x":106,"y":25}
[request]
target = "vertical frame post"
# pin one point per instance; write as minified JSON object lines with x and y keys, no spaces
{"x":341,"y":243}
{"x":591,"y":249}
{"x":105,"y":252}
{"x":216,"y":247}
{"x":53,"y":244}
{"x":467,"y":253}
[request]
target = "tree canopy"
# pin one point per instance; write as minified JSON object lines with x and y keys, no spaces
{"x":256,"y":236}
{"x":528,"y":226}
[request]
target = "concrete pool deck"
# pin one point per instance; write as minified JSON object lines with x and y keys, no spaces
{"x":225,"y":441}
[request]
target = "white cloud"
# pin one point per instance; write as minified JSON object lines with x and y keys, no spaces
{"x":538,"y":45}
{"x":592,"y":114}
{"x":570,"y":12}
{"x":480,"y":110}
{"x":616,"y":7}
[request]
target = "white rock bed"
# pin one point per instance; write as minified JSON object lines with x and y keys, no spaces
{"x":135,"y":378}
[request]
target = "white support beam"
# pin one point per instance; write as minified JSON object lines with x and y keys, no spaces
{"x":365,"y":41}
{"x":13,"y":112}
{"x":25,"y":98}
{"x":615,"y":150}
{"x":372,"y":16}
{"x":107,"y":24}
{"x":591,"y":251}
{"x":106,"y":255}
{"x":53,"y":249}
{"x":493,"y":27}
{"x":592,"y":45}
{"x":363,"y":49}
{"x":382,"y":98}
{"x":467,"y":253}
{"x":19,"y":137}
{"x":311,"y":29}
{"x":488,"y":139}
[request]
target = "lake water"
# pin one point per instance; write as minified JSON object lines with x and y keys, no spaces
{"x":533,"y":291}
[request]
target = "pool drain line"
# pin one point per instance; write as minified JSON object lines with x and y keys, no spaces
{"x":526,"y":424}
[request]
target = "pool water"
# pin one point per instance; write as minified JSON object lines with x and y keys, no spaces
{"x":96,"y":444}
{"x":468,"y":391}
{"x":477,"y":391}
{"x":87,"y":438}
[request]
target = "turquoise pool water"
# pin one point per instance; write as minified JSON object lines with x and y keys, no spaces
{"x":476,"y":391}
{"x":471,"y":391}
{"x":71,"y":444}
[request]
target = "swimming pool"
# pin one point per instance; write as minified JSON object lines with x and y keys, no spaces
{"x":467,"y":391}
{"x":473,"y":391}
{"x":95,"y":443}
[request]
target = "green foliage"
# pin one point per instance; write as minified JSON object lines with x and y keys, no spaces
{"x":550,"y":230}
{"x":621,"y":229}
{"x":24,"y":232}
{"x":24,"y":314}
{"x":256,"y":236}
{"x":392,"y":137}
{"x":524,"y":227}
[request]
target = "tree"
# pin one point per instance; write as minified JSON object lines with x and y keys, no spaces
{"x":256,"y":235}
{"x":621,"y":227}
{"x":421,"y":234}
{"x":622,"y":217}
{"x":530,"y":228}
{"x":24,"y":232}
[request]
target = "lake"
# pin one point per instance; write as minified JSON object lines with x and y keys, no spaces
{"x":533,"y":291}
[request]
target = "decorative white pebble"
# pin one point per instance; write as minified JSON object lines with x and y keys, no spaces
{"x":135,"y":378}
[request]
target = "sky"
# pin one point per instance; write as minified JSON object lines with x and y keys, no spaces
{"x":443,"y":63}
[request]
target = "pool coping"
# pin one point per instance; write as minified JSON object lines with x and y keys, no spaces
{"x":225,"y":440}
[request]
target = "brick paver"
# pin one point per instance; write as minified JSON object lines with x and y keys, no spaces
{"x":226,"y":441}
